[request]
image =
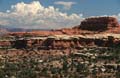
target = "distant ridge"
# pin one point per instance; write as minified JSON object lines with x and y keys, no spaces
{"x":13,"y":29}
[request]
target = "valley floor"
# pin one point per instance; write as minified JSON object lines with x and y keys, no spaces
{"x":69,"y":63}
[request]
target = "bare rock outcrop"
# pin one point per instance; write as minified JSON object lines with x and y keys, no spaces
{"x":99,"y":23}
{"x":88,"y":33}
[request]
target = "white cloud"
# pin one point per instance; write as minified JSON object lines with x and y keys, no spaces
{"x":118,"y":17}
{"x":34,"y":15}
{"x":66,"y":5}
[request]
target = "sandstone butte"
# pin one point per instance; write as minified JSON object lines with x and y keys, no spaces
{"x":95,"y":31}
{"x":87,"y":26}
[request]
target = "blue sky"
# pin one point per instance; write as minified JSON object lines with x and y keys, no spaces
{"x":54,"y":14}
{"x":86,"y":7}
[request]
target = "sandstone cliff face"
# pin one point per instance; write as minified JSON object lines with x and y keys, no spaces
{"x":99,"y":23}
{"x":87,"y":29}
{"x":68,"y":42}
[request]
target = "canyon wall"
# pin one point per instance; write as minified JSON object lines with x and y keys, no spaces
{"x":65,"y":42}
{"x":78,"y":36}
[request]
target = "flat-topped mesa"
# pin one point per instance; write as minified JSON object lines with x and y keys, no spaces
{"x":99,"y":23}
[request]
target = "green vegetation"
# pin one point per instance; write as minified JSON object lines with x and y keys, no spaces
{"x":63,"y":66}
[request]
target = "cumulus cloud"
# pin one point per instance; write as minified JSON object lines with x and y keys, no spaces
{"x":34,"y":16}
{"x":118,"y":17}
{"x":66,"y":5}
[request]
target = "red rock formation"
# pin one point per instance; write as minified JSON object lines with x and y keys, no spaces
{"x":88,"y":26}
{"x":99,"y":23}
{"x":5,"y":43}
